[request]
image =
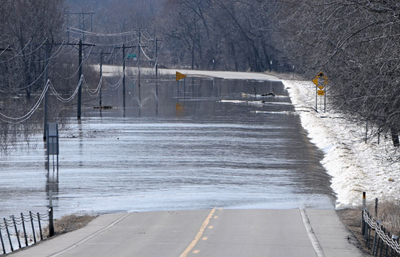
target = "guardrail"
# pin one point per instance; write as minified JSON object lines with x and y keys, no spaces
{"x":383,"y":242}
{"x":22,"y":231}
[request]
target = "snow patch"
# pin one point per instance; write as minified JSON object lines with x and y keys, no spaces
{"x":355,"y":166}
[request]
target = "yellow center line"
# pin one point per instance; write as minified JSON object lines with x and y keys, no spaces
{"x":199,"y":234}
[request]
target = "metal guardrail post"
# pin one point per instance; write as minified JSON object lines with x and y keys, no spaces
{"x":376,"y":239}
{"x":384,"y":231}
{"x":40,"y":228}
{"x":16,"y":231}
{"x":396,"y":239}
{"x":387,"y":246}
{"x":33,"y":227}
{"x":8,"y":234}
{"x":2,"y":242}
{"x":23,"y":226}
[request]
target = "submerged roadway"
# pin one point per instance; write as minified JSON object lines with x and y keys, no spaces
{"x":216,"y":232}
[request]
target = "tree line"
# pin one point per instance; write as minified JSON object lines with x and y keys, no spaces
{"x":354,"y":42}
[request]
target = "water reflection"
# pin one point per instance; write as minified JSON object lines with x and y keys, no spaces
{"x":205,"y":143}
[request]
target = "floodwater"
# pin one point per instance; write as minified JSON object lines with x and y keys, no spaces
{"x":197,"y":144}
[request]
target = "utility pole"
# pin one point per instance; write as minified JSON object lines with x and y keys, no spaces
{"x":123,"y":76}
{"x":47,"y":57}
{"x":80,"y":73}
{"x":139,"y":52}
{"x":139,"y":46}
{"x":101,"y":75}
{"x":123,"y":71}
{"x":79,"y":81}
{"x":139,"y":42}
{"x":157,"y":40}
{"x":46,"y":78}
{"x":193,"y":56}
{"x":156,"y":57}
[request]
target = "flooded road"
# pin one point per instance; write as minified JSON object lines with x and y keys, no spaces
{"x":195,"y":145}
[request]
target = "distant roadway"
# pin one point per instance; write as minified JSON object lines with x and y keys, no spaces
{"x":114,"y":70}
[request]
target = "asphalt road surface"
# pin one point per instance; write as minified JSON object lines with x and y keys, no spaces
{"x":216,"y":232}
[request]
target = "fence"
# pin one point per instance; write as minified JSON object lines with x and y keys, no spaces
{"x":383,"y":243}
{"x":20,"y":232}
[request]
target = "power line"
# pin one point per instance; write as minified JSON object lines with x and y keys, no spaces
{"x":5,"y":49}
{"x":26,"y":116}
{"x":98,"y":34}
{"x":78,"y":91}
{"x":81,"y":24}
{"x":70,"y":98}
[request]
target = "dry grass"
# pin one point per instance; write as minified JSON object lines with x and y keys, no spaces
{"x":389,"y":214}
{"x":70,"y":223}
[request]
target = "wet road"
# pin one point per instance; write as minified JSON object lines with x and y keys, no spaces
{"x":188,"y":233}
{"x":203,"y":144}
{"x":216,"y":232}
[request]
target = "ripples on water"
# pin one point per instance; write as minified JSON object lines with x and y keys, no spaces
{"x":208,"y":143}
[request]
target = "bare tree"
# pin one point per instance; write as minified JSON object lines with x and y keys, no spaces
{"x":25,"y":27}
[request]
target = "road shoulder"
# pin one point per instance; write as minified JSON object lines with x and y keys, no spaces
{"x":332,"y":235}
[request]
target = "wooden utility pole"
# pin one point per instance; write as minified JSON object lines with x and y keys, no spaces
{"x":123,"y":77}
{"x":80,"y":73}
{"x":139,"y":62}
{"x":80,"y":82}
{"x":123,"y":70}
{"x":46,"y":78}
{"x":157,"y":40}
{"x":101,"y":75}
{"x":139,"y":46}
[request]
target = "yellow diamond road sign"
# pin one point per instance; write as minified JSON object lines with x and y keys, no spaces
{"x":315,"y":81}
{"x":320,"y":80}
{"x":180,"y":76}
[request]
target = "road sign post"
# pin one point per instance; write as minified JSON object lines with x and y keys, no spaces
{"x":52,"y":143}
{"x":320,"y":81}
{"x":180,"y":76}
{"x":134,"y":56}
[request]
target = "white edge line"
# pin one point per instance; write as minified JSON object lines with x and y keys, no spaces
{"x":314,"y":241}
{"x":89,"y":237}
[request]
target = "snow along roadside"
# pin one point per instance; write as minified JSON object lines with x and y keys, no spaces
{"x":355,"y":166}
